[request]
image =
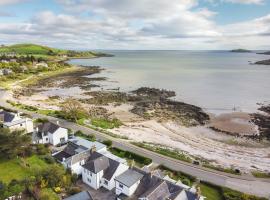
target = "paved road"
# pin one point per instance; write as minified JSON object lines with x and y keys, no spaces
{"x":250,"y":185}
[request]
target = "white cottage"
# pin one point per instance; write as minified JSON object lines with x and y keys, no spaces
{"x":14,"y":121}
{"x":50,"y":133}
{"x":100,"y":170}
{"x":75,"y":154}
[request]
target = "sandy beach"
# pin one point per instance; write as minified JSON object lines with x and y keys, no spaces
{"x":219,"y":148}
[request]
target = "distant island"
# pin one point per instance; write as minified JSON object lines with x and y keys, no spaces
{"x":47,"y":53}
{"x":240,"y":51}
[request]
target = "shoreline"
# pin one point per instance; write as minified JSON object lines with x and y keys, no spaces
{"x":208,"y":142}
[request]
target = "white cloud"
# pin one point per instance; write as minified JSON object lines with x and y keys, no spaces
{"x":140,"y":24}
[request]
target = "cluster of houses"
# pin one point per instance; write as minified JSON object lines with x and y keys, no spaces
{"x":7,"y":71}
{"x":101,"y":169}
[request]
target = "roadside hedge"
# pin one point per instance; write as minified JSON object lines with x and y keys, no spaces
{"x":130,"y":155}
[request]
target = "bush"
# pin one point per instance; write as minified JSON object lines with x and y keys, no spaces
{"x":48,"y":159}
{"x":131,"y":156}
{"x":107,"y":143}
{"x":42,"y":149}
{"x":74,"y":190}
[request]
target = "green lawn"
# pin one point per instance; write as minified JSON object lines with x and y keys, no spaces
{"x":15,"y":169}
{"x":211,"y":193}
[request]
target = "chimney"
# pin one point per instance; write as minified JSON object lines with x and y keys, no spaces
{"x":152,"y":173}
{"x":132,"y":164}
{"x":57,"y":122}
{"x":198,"y":192}
{"x":93,"y":149}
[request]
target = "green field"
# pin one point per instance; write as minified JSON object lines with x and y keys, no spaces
{"x":211,"y":193}
{"x":16,"y":169}
{"x":31,"y":49}
{"x":46,"y":52}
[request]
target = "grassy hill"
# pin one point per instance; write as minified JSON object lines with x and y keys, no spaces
{"x":31,"y":49}
{"x":48,"y":52}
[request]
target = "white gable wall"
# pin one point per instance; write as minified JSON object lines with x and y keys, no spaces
{"x":111,"y":184}
{"x":91,"y":179}
{"x":124,"y":189}
{"x":54,"y":138}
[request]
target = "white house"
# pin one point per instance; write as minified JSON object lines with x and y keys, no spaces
{"x":50,"y":133}
{"x":127,"y":183}
{"x":42,"y":64}
{"x":75,"y":154}
{"x":100,"y":170}
{"x":14,"y":121}
{"x":141,"y":185}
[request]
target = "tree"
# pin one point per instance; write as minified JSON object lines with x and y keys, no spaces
{"x":73,"y":110}
{"x":13,"y":143}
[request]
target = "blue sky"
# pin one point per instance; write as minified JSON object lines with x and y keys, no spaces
{"x":140,"y":24}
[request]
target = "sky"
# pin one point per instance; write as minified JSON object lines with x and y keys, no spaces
{"x":137,"y":24}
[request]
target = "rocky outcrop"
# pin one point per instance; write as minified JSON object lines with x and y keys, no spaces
{"x":263,"y":62}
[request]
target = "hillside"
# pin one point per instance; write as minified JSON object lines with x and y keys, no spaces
{"x":30,"y":49}
{"x":48,"y":52}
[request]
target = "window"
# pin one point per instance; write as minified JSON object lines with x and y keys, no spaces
{"x":120,"y":185}
{"x":20,"y":124}
{"x":90,"y":173}
{"x":105,"y":182}
{"x":84,"y":170}
{"x":88,"y":180}
{"x":47,"y":139}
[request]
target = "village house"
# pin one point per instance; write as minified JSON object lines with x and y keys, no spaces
{"x":6,"y":71}
{"x":41,"y":64}
{"x":75,"y":154}
{"x":138,"y":184}
{"x":101,"y":169}
{"x":14,"y":121}
{"x":50,"y":133}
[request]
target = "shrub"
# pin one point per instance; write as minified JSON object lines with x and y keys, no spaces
{"x":107,"y":143}
{"x":42,"y":149}
{"x":49,"y":159}
{"x":74,"y":190}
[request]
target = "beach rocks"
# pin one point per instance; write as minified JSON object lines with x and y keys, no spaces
{"x":155,"y":103}
{"x":263,"y":62}
{"x":263,"y":122}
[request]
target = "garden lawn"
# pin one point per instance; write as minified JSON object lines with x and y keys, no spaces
{"x":211,"y":193}
{"x":15,"y":169}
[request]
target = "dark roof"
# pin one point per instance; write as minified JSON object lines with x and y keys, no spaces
{"x":98,"y":162}
{"x":67,"y":152}
{"x":158,"y":192}
{"x":85,"y":195}
{"x":62,"y":154}
{"x":153,"y":187}
{"x":71,"y":148}
{"x":48,"y":127}
{"x":109,"y":172}
{"x":129,"y":177}
{"x":6,"y":116}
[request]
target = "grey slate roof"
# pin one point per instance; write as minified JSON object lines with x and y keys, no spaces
{"x":6,"y":116}
{"x":129,"y":177}
{"x":48,"y":127}
{"x":67,"y":152}
{"x":152,"y":187}
{"x":85,"y":195}
{"x":98,"y":162}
